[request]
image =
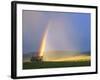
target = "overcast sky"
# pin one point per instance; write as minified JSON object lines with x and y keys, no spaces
{"x":66,"y":31}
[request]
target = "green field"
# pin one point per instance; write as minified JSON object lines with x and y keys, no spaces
{"x":41,"y":64}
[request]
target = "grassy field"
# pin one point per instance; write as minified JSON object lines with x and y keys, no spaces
{"x":41,"y":64}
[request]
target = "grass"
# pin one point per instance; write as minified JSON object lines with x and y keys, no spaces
{"x":41,"y":64}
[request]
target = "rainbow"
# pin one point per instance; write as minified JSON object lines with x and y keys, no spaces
{"x":43,"y":43}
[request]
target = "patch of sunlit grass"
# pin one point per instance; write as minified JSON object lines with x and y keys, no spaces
{"x":71,"y":58}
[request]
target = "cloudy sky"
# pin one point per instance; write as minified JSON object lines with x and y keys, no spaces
{"x":65,"y":31}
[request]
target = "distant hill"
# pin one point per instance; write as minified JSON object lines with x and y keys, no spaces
{"x":68,"y":53}
{"x":87,"y":53}
{"x":53,"y":54}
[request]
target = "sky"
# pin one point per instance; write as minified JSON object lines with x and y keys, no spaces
{"x":66,"y":31}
